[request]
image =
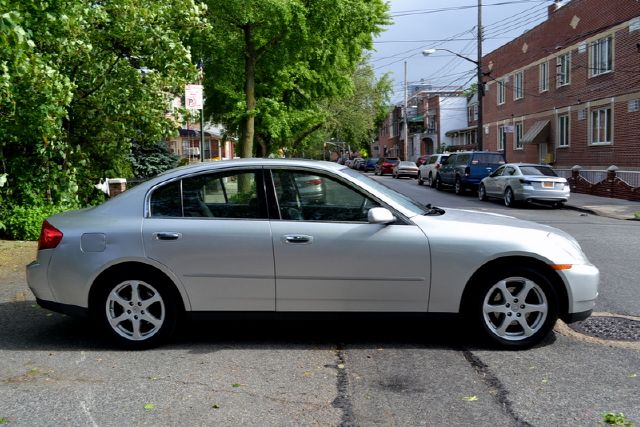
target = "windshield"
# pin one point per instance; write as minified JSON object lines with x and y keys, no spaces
{"x":398,"y":198}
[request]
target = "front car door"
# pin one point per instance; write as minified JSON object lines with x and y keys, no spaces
{"x":328,"y":257}
{"x":492,"y":185}
{"x":212,"y":231}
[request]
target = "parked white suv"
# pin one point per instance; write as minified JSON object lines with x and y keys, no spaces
{"x":429,"y":170}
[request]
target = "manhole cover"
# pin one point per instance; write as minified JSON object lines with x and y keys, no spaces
{"x":609,"y":328}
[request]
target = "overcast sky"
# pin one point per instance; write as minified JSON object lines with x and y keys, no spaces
{"x":450,"y":24}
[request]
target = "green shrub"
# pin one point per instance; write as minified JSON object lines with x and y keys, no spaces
{"x":24,"y":222}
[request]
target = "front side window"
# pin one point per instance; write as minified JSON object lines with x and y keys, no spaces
{"x":214,"y":195}
{"x":601,"y":56}
{"x":563,"y":131}
{"x":502,"y":137}
{"x":303,"y":196}
{"x":518,"y":137}
{"x":563,"y":70}
{"x":518,"y":85}
{"x":601,"y":126}
{"x":544,"y":77}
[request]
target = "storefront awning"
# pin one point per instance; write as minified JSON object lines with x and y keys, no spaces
{"x":416,"y":119}
{"x":538,"y":133}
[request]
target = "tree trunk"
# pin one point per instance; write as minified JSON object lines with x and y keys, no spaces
{"x":246,"y":144}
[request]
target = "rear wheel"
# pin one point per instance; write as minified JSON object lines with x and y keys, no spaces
{"x":516,"y":307}
{"x":420,"y":179}
{"x":482,"y":193}
{"x":136,"y":311}
{"x":509,"y":201}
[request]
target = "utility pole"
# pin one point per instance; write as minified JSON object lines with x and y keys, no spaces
{"x":404,"y":115}
{"x":480,"y":128}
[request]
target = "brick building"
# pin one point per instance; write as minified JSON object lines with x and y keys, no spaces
{"x":567,"y":92}
{"x":387,"y":143}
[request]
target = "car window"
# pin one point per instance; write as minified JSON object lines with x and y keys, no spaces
{"x":487,"y":159}
{"x":537,"y":170}
{"x":451,"y":160}
{"x":510,"y":171}
{"x":463,"y":159}
{"x":305,"y":197}
{"x":498,"y":171}
{"x":221,"y":195}
{"x":432,"y":159}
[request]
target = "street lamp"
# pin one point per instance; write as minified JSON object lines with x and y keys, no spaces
{"x":478,"y":64}
{"x":480,"y":92}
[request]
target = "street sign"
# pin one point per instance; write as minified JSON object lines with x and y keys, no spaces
{"x":193,"y":97}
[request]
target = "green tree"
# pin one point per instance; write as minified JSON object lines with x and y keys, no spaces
{"x":269,"y":62}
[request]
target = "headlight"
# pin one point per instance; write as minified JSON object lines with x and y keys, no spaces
{"x":570,"y":246}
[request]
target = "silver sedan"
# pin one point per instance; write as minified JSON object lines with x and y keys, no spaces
{"x":517,"y":182}
{"x":238,"y":236}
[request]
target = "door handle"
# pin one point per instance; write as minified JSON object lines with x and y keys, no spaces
{"x":297,"y":238}
{"x":167,"y":235}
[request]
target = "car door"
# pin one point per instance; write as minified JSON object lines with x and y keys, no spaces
{"x":492,"y":184}
{"x":506,"y":179}
{"x":328,"y":257}
{"x":212,"y":231}
{"x":447,"y":171}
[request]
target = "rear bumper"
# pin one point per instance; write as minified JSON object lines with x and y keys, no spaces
{"x":71,"y":310}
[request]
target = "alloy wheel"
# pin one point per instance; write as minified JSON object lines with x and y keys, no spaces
{"x":135,"y":310}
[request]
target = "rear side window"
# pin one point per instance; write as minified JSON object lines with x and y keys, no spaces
{"x":432,"y":159}
{"x":488,"y":159}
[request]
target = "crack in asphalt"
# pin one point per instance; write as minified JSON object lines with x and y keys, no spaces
{"x":343,"y":400}
{"x":501,"y":394}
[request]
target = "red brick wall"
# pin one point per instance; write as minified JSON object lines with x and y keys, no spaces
{"x":557,"y":35}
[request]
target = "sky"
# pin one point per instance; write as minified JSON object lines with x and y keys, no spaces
{"x":451,"y":24}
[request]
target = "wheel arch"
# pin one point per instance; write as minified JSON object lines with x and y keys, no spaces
{"x":112,"y":272}
{"x":520,"y":261}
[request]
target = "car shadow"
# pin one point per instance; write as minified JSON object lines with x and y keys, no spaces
{"x":26,"y":326}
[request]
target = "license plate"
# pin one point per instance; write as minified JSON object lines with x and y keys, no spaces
{"x":547,"y":184}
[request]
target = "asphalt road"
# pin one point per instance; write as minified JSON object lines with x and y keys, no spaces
{"x":55,"y":370}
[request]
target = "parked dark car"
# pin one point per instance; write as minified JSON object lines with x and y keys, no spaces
{"x":370,"y":164}
{"x":465,"y":169}
{"x":385,"y":165}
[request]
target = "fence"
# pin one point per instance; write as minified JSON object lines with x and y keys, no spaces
{"x":606,"y":183}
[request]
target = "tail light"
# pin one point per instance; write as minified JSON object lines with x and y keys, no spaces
{"x":50,"y":236}
{"x":438,"y":166}
{"x":525,"y":182}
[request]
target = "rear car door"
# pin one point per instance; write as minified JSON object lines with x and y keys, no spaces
{"x":212,"y":231}
{"x":328,"y":257}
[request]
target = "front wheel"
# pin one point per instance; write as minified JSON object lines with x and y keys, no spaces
{"x":458,"y":187}
{"x":515,"y":308}
{"x":482,"y":193}
{"x":438,"y":183}
{"x":509,"y":200}
{"x":136,"y":312}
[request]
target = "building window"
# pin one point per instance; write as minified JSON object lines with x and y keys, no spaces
{"x":518,"y":85}
{"x":563,"y":131}
{"x":517,"y":144}
{"x":501,"y":91}
{"x":633,"y":106}
{"x":582,"y":114}
{"x":502,"y":138}
{"x":601,"y":56}
{"x":564,"y":70}
{"x":544,"y":77}
{"x":601,"y":126}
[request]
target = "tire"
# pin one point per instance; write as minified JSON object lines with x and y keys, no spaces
{"x":509,"y":201}
{"x":432,"y":182}
{"x":482,"y":193}
{"x":458,"y":188}
{"x":420,"y":179}
{"x":137,"y":311}
{"x":558,"y":205}
{"x":438,"y":183}
{"x":515,"y":307}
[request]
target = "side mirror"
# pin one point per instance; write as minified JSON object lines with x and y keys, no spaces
{"x":380,"y":216}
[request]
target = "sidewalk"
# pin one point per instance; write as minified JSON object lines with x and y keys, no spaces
{"x":603,"y":206}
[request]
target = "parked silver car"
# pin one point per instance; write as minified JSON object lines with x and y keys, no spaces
{"x":235,"y":236}
{"x":405,"y":168}
{"x":516,"y":182}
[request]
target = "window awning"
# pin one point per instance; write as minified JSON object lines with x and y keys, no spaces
{"x":538,"y":133}
{"x":416,"y":119}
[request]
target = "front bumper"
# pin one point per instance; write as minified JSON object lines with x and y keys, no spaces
{"x":583,"y":281}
